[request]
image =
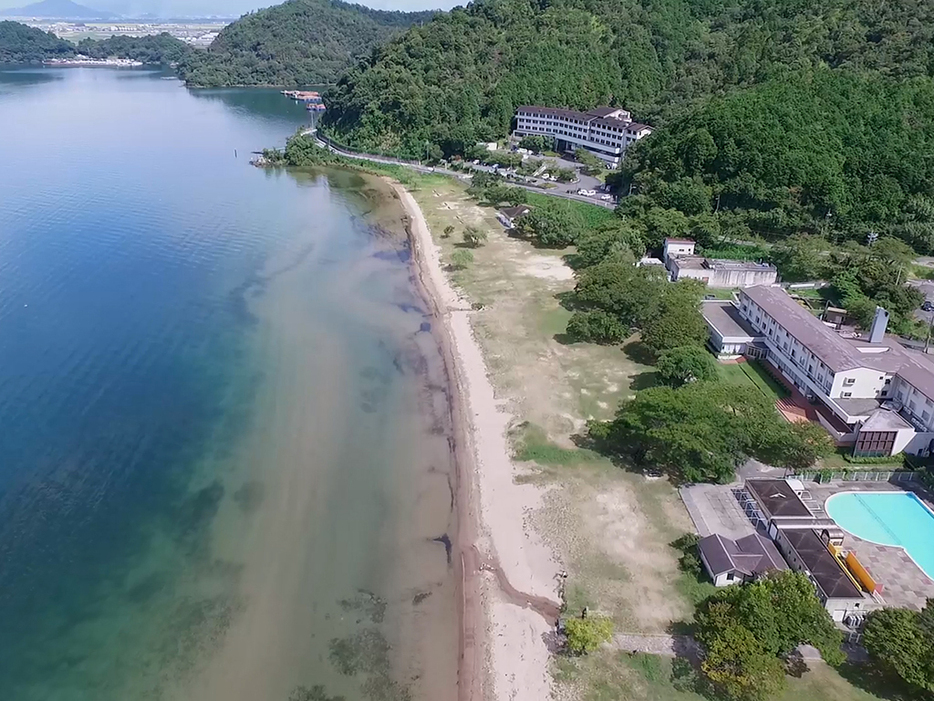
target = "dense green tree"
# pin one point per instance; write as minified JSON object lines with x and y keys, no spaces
{"x":22,"y":44}
{"x":630,"y":293}
{"x":160,"y":48}
{"x":677,"y":321}
{"x":802,"y":257}
{"x":596,"y":326}
{"x":536,"y":143}
{"x":295,"y":44}
{"x":747,"y":631}
{"x":738,"y":668}
{"x":683,"y":364}
{"x":797,"y":445}
{"x":616,"y":239}
{"x":900,"y":642}
{"x":554,"y":225}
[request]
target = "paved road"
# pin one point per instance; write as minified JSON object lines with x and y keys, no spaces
{"x":455,"y":174}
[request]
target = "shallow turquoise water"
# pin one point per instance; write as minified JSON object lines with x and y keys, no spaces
{"x":222,"y":462}
{"x":888,"y":518}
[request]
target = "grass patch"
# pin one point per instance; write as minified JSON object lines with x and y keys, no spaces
{"x":753,"y":372}
{"x":838,"y":461}
{"x":922,"y":272}
{"x":614,"y":675}
{"x":719,"y":293}
{"x":592,"y":214}
{"x":532,"y":445}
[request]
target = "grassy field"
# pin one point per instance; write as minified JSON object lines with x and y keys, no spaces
{"x":613,"y":676}
{"x":753,"y":373}
{"x":612,"y":528}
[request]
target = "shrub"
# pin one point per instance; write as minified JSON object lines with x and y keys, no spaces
{"x":461,"y":258}
{"x":587,"y":634}
{"x":474,"y":237}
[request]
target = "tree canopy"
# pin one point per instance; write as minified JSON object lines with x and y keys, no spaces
{"x":295,"y":44}
{"x":22,"y":44}
{"x":748,"y":631}
{"x":901,"y":642}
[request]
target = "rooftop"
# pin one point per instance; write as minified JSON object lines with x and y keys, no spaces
{"x":603,"y":116}
{"x":777,"y":498}
{"x":823,"y":566}
{"x":700,"y":262}
{"x":750,"y":555}
{"x":517,"y":211}
{"x":724,"y":317}
{"x":884,"y":420}
{"x":838,"y":353}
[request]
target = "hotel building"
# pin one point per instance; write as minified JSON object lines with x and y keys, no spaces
{"x":604,"y":131}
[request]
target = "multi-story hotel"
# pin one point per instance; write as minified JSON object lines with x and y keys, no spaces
{"x":871,"y":393}
{"x":604,"y":131}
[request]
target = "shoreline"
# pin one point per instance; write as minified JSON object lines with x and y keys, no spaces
{"x":505,"y":572}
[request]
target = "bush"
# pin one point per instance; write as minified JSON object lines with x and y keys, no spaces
{"x":461,"y":258}
{"x":596,"y":326}
{"x":584,"y":635}
{"x":474,"y":237}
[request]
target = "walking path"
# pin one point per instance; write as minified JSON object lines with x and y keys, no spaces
{"x":660,"y":644}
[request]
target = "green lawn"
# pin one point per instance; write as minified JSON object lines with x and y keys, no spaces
{"x":753,"y":372}
{"x":593,"y":215}
{"x":617,"y":676}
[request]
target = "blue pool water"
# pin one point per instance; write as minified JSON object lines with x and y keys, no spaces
{"x":888,"y":518}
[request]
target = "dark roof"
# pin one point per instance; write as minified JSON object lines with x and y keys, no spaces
{"x":602,"y":111}
{"x":671,"y":240}
{"x":517,"y":211}
{"x":777,"y":498}
{"x":750,"y":555}
{"x":823,"y":566}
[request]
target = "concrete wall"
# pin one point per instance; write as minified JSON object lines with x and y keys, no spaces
{"x":862,"y":383}
{"x":741,"y":278}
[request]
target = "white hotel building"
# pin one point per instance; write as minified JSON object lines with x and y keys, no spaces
{"x":871,"y":393}
{"x":604,"y":131}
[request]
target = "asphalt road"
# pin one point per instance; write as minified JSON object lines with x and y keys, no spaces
{"x":562,"y":190}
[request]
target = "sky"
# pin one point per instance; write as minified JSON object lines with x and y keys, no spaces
{"x":231,"y":8}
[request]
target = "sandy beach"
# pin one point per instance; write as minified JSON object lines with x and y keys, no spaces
{"x":507,"y":573}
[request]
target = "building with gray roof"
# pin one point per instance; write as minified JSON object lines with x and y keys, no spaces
{"x":729,"y":561}
{"x":878,"y":394}
{"x":604,"y":131}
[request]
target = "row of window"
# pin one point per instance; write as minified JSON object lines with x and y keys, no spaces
{"x":583,"y":125}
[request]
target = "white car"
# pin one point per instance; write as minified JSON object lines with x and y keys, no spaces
{"x":606,"y":197}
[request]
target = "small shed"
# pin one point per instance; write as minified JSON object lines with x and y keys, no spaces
{"x":508,"y":215}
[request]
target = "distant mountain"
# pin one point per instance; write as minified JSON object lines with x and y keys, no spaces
{"x":59,"y":9}
{"x":297,"y":43}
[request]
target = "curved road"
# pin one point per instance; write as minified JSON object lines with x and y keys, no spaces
{"x":444,"y":171}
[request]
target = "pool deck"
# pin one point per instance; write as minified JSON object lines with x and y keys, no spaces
{"x":904,"y":584}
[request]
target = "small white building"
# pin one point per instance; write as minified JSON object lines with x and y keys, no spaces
{"x":715,"y":272}
{"x":509,"y":215}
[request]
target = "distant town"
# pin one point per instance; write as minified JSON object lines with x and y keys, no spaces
{"x":200,"y":32}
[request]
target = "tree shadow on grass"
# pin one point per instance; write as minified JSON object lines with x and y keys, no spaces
{"x":644,"y":380}
{"x":638,"y":352}
{"x":868,"y":678}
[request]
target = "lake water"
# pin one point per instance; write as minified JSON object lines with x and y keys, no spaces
{"x":224,"y":461}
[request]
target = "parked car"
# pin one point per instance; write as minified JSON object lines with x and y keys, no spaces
{"x":928,"y":307}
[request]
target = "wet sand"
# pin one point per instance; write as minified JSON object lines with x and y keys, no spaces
{"x":506,"y":572}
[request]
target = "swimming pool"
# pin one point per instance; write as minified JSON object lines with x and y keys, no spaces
{"x":888,"y":518}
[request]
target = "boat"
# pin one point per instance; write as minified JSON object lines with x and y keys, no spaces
{"x":315,"y":107}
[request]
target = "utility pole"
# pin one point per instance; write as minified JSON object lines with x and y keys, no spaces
{"x":927,"y":340}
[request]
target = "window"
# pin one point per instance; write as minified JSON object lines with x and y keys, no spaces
{"x":849,"y":381}
{"x":888,"y":380}
{"x":847,"y":394}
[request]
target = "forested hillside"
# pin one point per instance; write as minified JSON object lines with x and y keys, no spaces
{"x":297,"y":43}
{"x":22,"y":44}
{"x":775,"y":116}
{"x":156,"y":48}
